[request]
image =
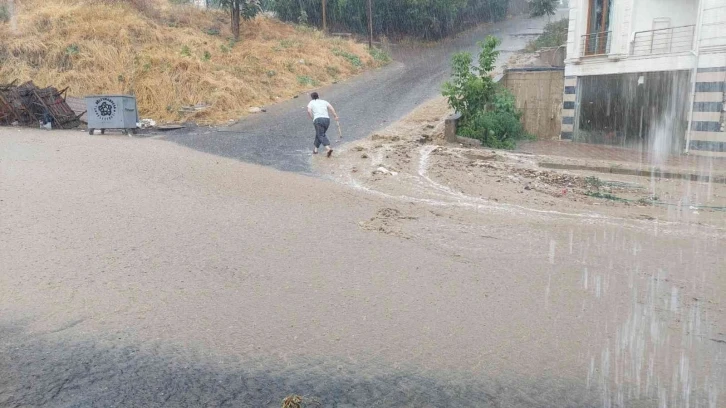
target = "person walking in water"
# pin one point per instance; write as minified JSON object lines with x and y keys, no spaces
{"x":318,"y":112}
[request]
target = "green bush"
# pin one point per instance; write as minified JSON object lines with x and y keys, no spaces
{"x":306,"y":80}
{"x":498,"y":128}
{"x":488,"y":111}
{"x":352,"y":58}
{"x":380,"y":55}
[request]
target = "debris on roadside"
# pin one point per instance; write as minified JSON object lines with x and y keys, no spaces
{"x":28,"y":105}
{"x":384,"y":171}
{"x":170,"y":127}
{"x":200,"y":107}
{"x":146,"y":124}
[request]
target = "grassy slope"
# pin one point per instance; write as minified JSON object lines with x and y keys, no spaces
{"x":166,"y":56}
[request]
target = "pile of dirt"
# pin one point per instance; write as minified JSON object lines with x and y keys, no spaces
{"x":387,"y":221}
{"x":170,"y":56}
{"x":410,"y":161}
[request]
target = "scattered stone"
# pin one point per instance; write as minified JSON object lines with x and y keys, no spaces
{"x":384,"y":171}
{"x":200,"y":107}
{"x":379,"y":136}
{"x":363,"y":156}
{"x":255,"y":109}
{"x":430,"y":126}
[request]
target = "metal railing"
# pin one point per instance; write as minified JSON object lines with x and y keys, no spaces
{"x":663,"y":41}
{"x":596,"y":43}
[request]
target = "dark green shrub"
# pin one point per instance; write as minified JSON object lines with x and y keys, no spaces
{"x":498,"y":128}
{"x":488,"y":111}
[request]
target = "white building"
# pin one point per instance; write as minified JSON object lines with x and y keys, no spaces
{"x":641,"y":73}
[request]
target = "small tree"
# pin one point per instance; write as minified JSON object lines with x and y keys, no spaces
{"x":539,"y":8}
{"x":472,"y":88}
{"x":246,"y":9}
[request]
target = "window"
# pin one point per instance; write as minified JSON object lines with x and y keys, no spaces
{"x":599,"y":17}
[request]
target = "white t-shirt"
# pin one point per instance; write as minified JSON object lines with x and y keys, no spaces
{"x":319,"y":108}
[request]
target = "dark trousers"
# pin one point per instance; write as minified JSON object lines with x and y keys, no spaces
{"x":321,"y":126}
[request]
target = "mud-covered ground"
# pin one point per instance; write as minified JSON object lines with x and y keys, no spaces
{"x":137,"y":272}
{"x":411,"y":159}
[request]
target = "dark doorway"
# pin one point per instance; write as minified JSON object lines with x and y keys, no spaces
{"x":641,"y":110}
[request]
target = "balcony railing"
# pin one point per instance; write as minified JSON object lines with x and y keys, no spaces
{"x":663,"y":41}
{"x":596,"y":43}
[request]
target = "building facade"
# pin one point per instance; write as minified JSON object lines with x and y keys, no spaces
{"x":647,"y":74}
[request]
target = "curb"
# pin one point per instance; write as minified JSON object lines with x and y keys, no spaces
{"x":720,"y":179}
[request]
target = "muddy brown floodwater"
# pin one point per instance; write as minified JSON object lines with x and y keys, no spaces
{"x":136,"y":272}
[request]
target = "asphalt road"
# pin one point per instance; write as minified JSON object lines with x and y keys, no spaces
{"x":282,"y":137}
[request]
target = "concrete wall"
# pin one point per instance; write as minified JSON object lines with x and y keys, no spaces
{"x":631,"y":16}
{"x":539,"y":96}
{"x":680,"y":13}
{"x":713,"y":26}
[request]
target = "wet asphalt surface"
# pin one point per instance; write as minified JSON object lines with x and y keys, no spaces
{"x":74,"y":374}
{"x":282,"y":137}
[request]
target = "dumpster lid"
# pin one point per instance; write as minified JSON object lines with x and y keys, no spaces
{"x":110,"y":96}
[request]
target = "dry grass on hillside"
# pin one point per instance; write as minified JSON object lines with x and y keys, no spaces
{"x":169,"y":56}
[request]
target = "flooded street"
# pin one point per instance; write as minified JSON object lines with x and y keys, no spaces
{"x":522,"y":204}
{"x":155,"y":275}
{"x":282,"y":137}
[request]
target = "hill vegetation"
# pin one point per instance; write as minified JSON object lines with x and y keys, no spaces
{"x":426,"y":19}
{"x":554,"y":35}
{"x":170,"y":55}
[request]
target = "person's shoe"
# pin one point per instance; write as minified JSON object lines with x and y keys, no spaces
{"x":330,"y":152}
